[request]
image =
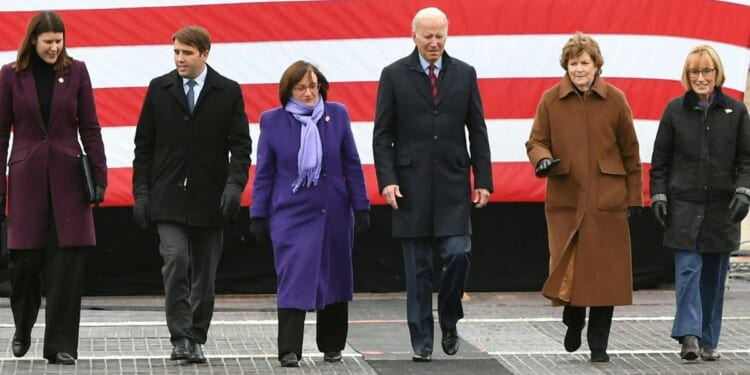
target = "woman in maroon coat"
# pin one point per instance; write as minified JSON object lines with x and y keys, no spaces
{"x":46,"y":99}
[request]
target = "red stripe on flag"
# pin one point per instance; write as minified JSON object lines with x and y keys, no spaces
{"x":511,"y":98}
{"x":346,"y":19}
{"x":514,"y":182}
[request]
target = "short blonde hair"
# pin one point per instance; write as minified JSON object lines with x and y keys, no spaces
{"x":695,"y":54}
{"x":578,"y":44}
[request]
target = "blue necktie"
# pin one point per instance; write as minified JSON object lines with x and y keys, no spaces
{"x":191,"y":95}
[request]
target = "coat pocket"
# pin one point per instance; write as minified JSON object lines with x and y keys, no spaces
{"x":612,"y":192}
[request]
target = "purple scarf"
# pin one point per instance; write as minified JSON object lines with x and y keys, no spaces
{"x":310,"y":153}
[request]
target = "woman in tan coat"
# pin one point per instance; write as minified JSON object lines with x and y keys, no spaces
{"x":584,"y":142}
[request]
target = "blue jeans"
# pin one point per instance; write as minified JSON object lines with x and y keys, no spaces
{"x":699,"y":293}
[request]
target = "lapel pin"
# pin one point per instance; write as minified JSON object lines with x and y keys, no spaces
{"x":61,"y":80}
{"x":328,"y":118}
{"x":728,"y":110}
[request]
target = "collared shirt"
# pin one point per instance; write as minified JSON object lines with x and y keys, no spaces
{"x":426,"y":65}
{"x":200,"y":80}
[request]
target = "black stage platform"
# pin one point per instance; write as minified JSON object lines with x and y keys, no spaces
{"x":509,"y":254}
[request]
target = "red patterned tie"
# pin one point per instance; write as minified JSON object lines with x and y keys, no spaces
{"x":433,"y":83}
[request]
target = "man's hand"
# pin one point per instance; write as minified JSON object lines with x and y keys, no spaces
{"x":739,"y":207}
{"x":140,"y":211}
{"x":390,"y":193}
{"x":481,"y":197}
{"x":230,"y":201}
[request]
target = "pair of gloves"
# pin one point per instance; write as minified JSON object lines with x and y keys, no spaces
{"x":545,"y":165}
{"x":738,"y":208}
{"x":229,"y":204}
{"x":259,"y":226}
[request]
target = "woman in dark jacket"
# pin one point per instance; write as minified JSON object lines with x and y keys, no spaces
{"x":700,"y":187}
{"x":47,"y":99}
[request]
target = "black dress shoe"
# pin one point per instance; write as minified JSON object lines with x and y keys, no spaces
{"x":62,"y":359}
{"x":196,"y":353}
{"x":20,"y":346}
{"x":599,"y":356}
{"x":289,"y":360}
{"x":422,"y":357}
{"x":333,"y":357}
{"x":573,"y":339}
{"x":180,"y":349}
{"x":450,"y":341}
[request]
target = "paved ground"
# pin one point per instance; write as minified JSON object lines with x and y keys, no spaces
{"x":504,"y":333}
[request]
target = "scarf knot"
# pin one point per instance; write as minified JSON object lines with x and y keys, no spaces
{"x":310,"y":154}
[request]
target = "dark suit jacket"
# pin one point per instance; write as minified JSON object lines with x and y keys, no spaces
{"x":422,"y":148}
{"x":173,"y":147}
{"x":43,"y":170}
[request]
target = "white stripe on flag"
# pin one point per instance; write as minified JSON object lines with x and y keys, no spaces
{"x":626,"y":56}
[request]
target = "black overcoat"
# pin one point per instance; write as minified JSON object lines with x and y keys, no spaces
{"x":422,"y":147}
{"x":183,"y":161}
{"x":700,"y":158}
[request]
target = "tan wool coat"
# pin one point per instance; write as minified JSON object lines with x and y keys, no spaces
{"x":588,"y":192}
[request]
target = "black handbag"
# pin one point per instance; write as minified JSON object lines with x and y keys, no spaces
{"x":88,"y":177}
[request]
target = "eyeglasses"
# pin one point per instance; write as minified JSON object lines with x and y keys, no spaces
{"x":313,"y":87}
{"x":707,"y":72}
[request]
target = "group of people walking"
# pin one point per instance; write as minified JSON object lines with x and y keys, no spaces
{"x":432,"y":159}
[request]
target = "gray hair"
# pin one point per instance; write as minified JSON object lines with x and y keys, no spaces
{"x":426,"y":13}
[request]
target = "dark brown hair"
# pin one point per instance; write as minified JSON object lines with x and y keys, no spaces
{"x":195,"y":36}
{"x":42,"y":22}
{"x":295,"y":73}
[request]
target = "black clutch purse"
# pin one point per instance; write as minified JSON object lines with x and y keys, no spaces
{"x":88,"y":177}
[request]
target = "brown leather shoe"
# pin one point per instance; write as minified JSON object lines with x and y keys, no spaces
{"x":690,"y":350}
{"x":708,"y":354}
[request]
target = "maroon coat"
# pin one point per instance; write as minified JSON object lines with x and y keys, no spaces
{"x":43,"y":170}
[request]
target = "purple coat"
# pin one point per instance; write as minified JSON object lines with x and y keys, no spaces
{"x":312,"y":230}
{"x":43,"y":169}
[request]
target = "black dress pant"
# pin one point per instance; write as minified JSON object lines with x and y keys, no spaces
{"x":600,"y":321}
{"x":58,"y":272}
{"x":331,"y":329}
{"x":191,"y":256}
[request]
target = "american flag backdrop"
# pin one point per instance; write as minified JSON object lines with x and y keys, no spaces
{"x":514,"y":45}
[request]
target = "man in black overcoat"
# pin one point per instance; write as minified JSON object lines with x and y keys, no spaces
{"x":427,"y":102}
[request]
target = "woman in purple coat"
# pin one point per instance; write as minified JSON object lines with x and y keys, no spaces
{"x":309,"y":195}
{"x":47,"y":99}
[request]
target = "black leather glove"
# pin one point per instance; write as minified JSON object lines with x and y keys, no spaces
{"x":99,"y":195}
{"x":660,"y":211}
{"x":230,"y":201}
{"x":140,"y":211}
{"x":739,"y":207}
{"x":634,"y":211}
{"x":361,"y":221}
{"x":2,"y":207}
{"x":544,"y":165}
{"x":259,"y":230}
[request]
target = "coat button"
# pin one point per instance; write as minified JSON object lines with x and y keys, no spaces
{"x":323,"y":211}
{"x":45,"y":140}
{"x":186,"y":117}
{"x":435,"y":137}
